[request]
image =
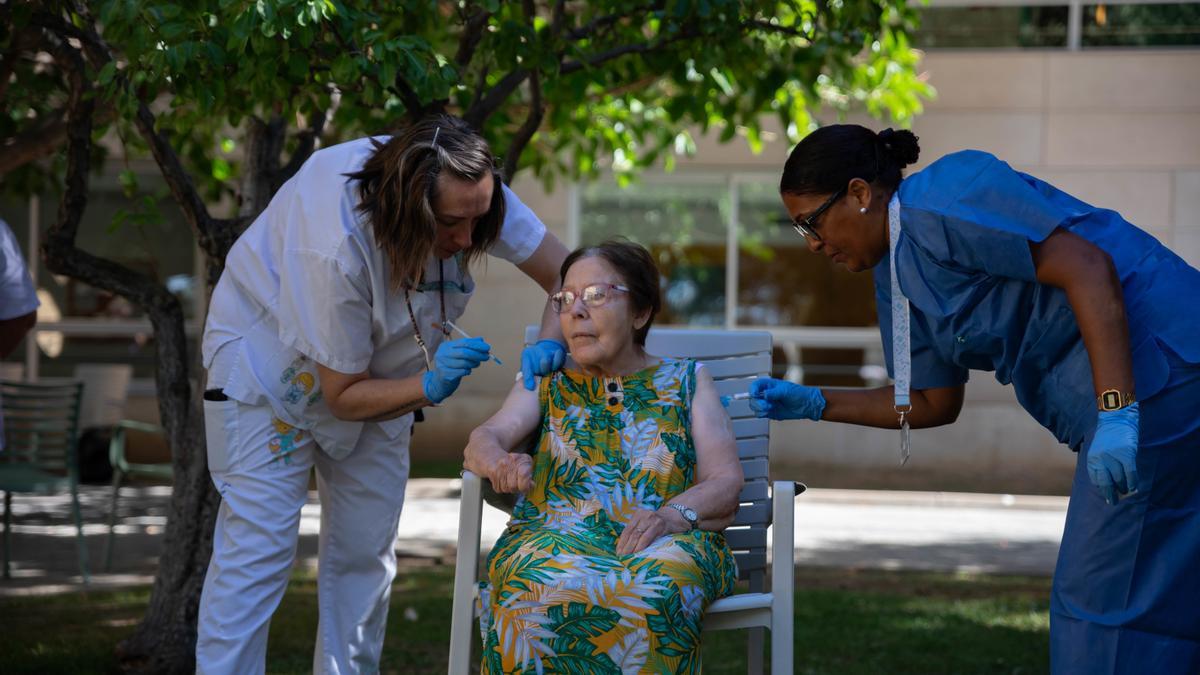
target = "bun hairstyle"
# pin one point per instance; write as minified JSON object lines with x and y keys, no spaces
{"x":828,"y":158}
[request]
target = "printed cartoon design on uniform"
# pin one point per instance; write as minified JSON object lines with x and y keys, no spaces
{"x":285,"y":440}
{"x":300,"y":383}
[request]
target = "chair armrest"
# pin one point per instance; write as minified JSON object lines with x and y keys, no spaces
{"x":116,"y":445}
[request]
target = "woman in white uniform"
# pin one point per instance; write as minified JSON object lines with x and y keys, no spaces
{"x":326,"y":332}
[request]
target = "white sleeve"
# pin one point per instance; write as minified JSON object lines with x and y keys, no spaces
{"x":324,"y":310}
{"x":18,"y":297}
{"x":521,"y":232}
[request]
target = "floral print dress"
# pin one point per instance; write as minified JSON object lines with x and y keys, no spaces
{"x":558,"y":598}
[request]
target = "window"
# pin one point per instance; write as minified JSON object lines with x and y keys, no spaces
{"x":950,"y":24}
{"x":79,"y":323}
{"x":1141,"y":25}
{"x":992,"y":27}
{"x":770,"y":281}
{"x":683,"y":225}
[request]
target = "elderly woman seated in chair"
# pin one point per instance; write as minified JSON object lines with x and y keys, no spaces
{"x":614,"y":550}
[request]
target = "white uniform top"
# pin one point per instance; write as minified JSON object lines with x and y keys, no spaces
{"x":306,"y":284}
{"x":18,"y":297}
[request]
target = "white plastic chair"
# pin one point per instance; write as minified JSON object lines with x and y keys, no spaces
{"x":733,"y":358}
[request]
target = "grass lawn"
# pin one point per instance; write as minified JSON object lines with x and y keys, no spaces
{"x":847,"y":622}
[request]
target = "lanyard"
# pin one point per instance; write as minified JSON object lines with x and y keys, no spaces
{"x":901,"y":347}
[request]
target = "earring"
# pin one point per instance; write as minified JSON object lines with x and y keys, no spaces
{"x":863,"y":210}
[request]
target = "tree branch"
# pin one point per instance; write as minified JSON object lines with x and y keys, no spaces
{"x":59,"y":248}
{"x":177,"y":178}
{"x":491,"y":101}
{"x":16,"y":151}
{"x":472,"y":33}
{"x":536,"y":111}
{"x":307,"y":142}
{"x":260,"y":164}
{"x":413,"y":108}
{"x":688,"y":33}
{"x":22,"y":41}
{"x":527,"y":130}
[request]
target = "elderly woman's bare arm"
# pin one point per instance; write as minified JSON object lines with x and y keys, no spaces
{"x":487,"y":451}
{"x":719,"y":476}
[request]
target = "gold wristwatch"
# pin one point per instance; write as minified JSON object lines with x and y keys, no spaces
{"x":1113,"y":399}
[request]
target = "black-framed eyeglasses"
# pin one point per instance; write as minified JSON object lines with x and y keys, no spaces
{"x":805,"y":226}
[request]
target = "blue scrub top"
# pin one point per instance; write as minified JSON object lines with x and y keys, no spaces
{"x":963,"y":261}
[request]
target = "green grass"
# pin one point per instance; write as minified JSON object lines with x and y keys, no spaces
{"x":437,"y":468}
{"x":847,"y":622}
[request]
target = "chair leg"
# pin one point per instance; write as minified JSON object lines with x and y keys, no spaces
{"x":81,"y":544}
{"x":466,"y":570}
{"x":112,"y":520}
{"x":754,"y":650}
{"x":7,"y":541}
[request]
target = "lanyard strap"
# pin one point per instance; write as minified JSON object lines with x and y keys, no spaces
{"x":901,"y":345}
{"x":901,"y":349}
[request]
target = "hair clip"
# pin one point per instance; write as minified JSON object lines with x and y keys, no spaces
{"x":435,"y":135}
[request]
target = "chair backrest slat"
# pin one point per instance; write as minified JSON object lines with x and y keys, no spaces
{"x":754,"y":491}
{"x":733,"y":358}
{"x":750,"y":427}
{"x":41,"y":423}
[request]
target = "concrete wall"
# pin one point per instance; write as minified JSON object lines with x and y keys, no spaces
{"x":1117,"y":128}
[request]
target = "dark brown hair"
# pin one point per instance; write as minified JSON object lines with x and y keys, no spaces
{"x":830,"y":157}
{"x":638,"y":273}
{"x":398,"y":186}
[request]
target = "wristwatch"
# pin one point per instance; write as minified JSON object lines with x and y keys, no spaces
{"x":1113,"y":399}
{"x":688,"y":514}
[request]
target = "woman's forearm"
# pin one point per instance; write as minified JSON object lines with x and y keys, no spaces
{"x":484,"y":449}
{"x":876,"y":407}
{"x":378,"y":399}
{"x":714,"y":500}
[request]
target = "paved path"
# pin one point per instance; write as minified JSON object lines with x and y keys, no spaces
{"x":834,"y":528}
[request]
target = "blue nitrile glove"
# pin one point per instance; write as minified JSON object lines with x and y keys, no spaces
{"x":1112,"y":458}
{"x":780,"y":400}
{"x":541,"y":359}
{"x":454,"y":360}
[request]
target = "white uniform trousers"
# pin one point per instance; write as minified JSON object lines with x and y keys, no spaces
{"x":260,"y":466}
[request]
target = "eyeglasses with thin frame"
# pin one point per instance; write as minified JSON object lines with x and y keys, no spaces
{"x":804,"y":226}
{"x":593,"y":295}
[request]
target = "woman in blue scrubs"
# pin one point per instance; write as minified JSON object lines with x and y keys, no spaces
{"x":1094,"y":323}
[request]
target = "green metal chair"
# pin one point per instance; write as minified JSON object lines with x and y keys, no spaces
{"x":41,"y":428}
{"x":122,"y":468}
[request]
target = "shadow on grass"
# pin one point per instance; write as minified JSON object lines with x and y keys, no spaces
{"x":847,"y":622}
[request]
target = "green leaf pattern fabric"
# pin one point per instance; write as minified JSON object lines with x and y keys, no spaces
{"x":558,"y":599}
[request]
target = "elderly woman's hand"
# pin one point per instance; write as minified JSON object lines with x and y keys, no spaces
{"x":513,"y":472}
{"x":643,"y":528}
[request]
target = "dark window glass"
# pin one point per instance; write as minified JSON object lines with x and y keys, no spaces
{"x":683,"y":226}
{"x":782,"y":283}
{"x":992,"y":27}
{"x":1159,"y":25}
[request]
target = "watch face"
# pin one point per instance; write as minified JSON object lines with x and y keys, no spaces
{"x":689,"y":514}
{"x":1110,"y":400}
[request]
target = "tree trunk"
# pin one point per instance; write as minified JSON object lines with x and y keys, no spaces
{"x":165,"y":641}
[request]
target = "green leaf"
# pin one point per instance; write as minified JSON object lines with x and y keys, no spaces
{"x":221,"y":170}
{"x":581,"y":621}
{"x":129,"y":183}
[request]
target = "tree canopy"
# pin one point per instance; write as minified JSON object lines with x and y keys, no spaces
{"x":229,"y":97}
